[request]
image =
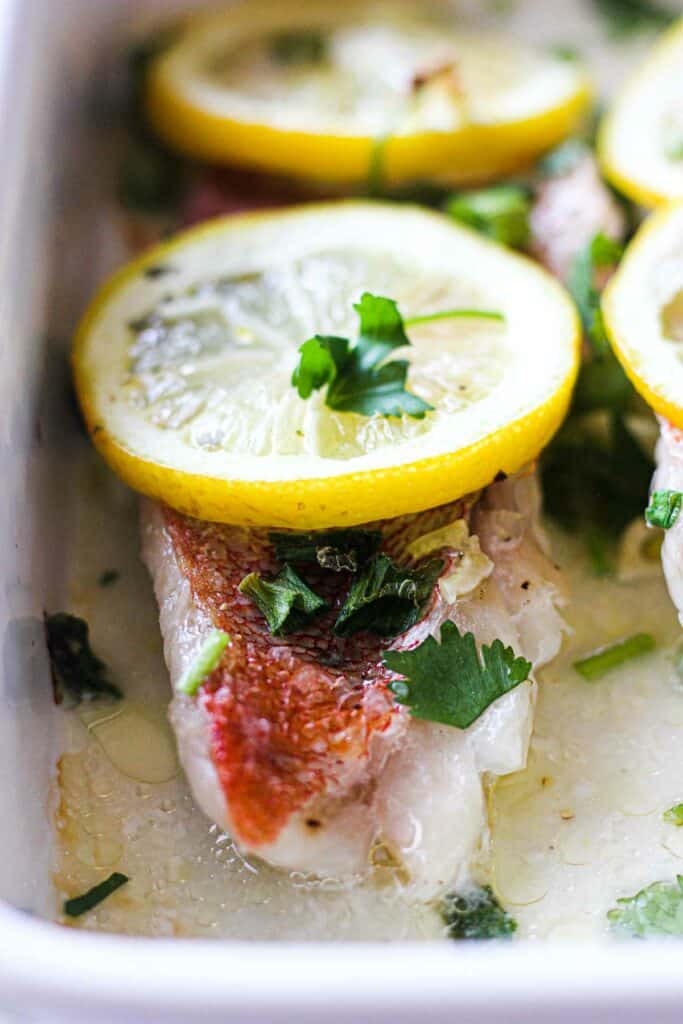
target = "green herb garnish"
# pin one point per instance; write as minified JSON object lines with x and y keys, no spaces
{"x":108,"y":577}
{"x":655,"y":911}
{"x":625,"y":17}
{"x":76,"y":671}
{"x":596,"y":665}
{"x":306,"y":46}
{"x":359,"y":378}
{"x":204,"y":662}
{"x":595,"y":482}
{"x":386,"y":598}
{"x":447,"y":682}
{"x":81,"y":904}
{"x":331,"y":549}
{"x":601,"y":252}
{"x":674,"y":815}
{"x":664,"y":508}
{"x":285,"y":601}
{"x":476,"y":914}
{"x":500,"y":212}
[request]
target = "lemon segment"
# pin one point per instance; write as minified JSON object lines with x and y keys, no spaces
{"x":183,"y":366}
{"x":448,"y":103}
{"x":640,"y":144}
{"x":643,"y":311}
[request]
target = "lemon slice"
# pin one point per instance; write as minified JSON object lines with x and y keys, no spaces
{"x":306,"y":89}
{"x":643,"y":311}
{"x":641,"y":139}
{"x":184,"y":361}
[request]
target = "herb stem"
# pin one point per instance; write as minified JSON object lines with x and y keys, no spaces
{"x":81,"y":904}
{"x":455,"y":314}
{"x":204,"y":663}
{"x":596,"y":665}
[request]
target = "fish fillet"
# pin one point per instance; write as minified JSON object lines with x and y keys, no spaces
{"x":669,"y":477}
{"x":296,"y":747}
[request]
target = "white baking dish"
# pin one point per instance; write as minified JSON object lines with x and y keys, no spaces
{"x":49,"y":52}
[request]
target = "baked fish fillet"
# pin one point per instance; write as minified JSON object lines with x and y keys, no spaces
{"x":669,"y":477}
{"x":296,"y":747}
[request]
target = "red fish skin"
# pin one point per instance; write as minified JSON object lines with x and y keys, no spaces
{"x":290,"y":719}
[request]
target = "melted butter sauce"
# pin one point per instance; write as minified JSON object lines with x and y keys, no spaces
{"x":579,"y":827}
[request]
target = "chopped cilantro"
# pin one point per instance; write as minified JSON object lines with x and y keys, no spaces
{"x":500,"y":212}
{"x":664,"y":508}
{"x":476,"y":914}
{"x":601,"y":252}
{"x":305,"y":46}
{"x":330,"y":549}
{"x":674,"y":815}
{"x":596,"y":665}
{"x":447,"y":682}
{"x":204,"y":662}
{"x":81,"y":904}
{"x":385,"y":598}
{"x":624,"y":17}
{"x":108,"y":577}
{"x":285,"y":602}
{"x":76,"y":671}
{"x":455,"y":314}
{"x":358,"y":379}
{"x":653,"y":912}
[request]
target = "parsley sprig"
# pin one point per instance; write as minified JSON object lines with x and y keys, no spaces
{"x":448,"y":682}
{"x":362,"y":378}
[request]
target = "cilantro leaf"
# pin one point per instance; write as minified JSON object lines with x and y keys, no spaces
{"x":500,"y":213}
{"x":627,"y":16}
{"x":655,"y":911}
{"x":447,"y":682}
{"x":77,"y":672}
{"x":476,"y":914}
{"x":322,"y":357}
{"x":331,"y":549}
{"x":358,"y":379}
{"x":285,"y":602}
{"x":664,"y":508}
{"x":385,"y":598}
{"x":674,"y":815}
{"x":81,"y":904}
